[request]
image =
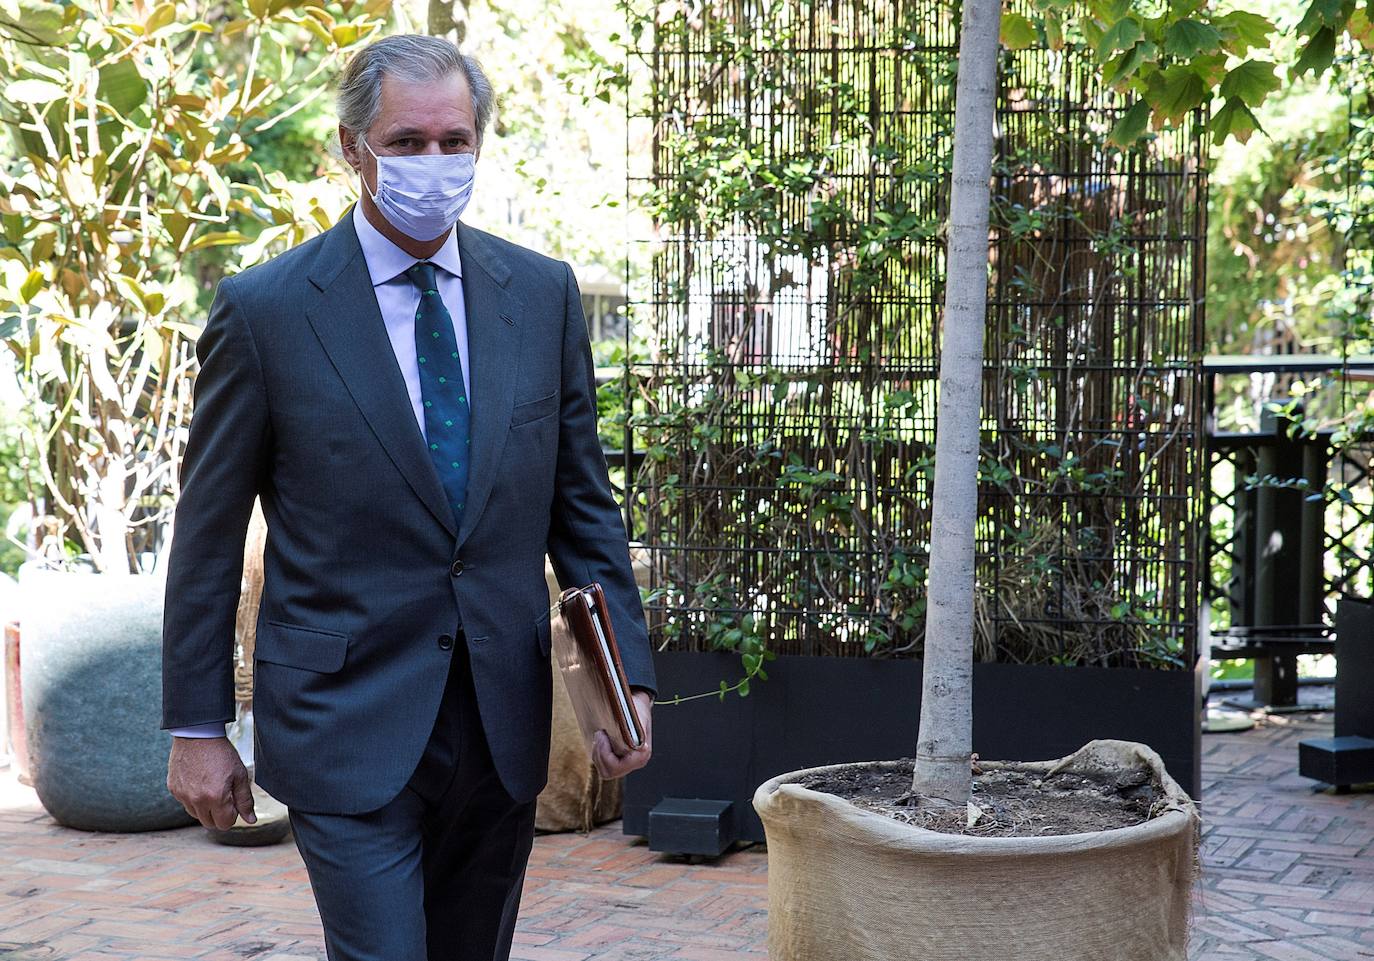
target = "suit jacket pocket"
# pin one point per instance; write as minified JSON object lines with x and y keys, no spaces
{"x":530,"y":410}
{"x":310,"y":648}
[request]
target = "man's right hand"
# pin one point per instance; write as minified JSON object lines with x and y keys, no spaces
{"x":207,"y":776}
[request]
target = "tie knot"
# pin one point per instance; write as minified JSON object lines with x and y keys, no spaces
{"x":421,"y":274}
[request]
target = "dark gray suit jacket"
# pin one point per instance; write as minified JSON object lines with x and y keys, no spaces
{"x":300,"y":400}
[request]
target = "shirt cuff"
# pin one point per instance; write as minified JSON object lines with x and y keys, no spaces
{"x":212,"y":729}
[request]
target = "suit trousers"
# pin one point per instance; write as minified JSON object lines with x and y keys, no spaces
{"x":435,"y":874}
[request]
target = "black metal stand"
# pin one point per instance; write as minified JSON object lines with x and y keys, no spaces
{"x":1348,"y":758}
{"x":1276,"y":593}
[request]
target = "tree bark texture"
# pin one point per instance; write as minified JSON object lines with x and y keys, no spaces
{"x":945,"y":741}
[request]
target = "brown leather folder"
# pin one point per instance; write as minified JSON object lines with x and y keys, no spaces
{"x":584,"y":643}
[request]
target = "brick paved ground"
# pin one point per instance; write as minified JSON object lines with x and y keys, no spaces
{"x":1288,"y":870}
{"x":1288,"y":875}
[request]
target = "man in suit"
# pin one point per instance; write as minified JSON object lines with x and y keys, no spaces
{"x":413,"y":401}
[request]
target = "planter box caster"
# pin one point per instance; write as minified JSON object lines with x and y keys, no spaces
{"x":1341,"y":761}
{"x":692,"y":826}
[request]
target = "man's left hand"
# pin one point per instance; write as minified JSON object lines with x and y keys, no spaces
{"x":610,"y":765}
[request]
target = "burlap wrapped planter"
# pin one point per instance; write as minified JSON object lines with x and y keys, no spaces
{"x":846,"y":884}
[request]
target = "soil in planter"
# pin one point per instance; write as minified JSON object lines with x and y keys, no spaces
{"x":1009,"y":800}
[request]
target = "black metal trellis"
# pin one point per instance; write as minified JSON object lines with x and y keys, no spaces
{"x":1291,"y":511}
{"x":785,"y":393}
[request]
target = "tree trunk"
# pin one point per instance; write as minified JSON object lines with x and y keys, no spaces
{"x":945,"y":743}
{"x":111,"y":550}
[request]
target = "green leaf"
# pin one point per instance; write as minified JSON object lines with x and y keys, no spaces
{"x":1054,"y":29}
{"x":217,"y":238}
{"x":1118,"y":71}
{"x":1109,"y":10}
{"x":44,"y":244}
{"x":1211,"y":68}
{"x":1018,"y":32}
{"x":1121,"y":35}
{"x":163,"y":15}
{"x":14,"y":227}
{"x":1321,"y":13}
{"x":34,"y":92}
{"x":217,"y":184}
{"x":1188,"y":38}
{"x":1131,"y":127}
{"x":1184,"y":8}
{"x":1175,"y":91}
{"x":346,"y":34}
{"x":1318,"y":54}
{"x":122,"y":86}
{"x":1242,"y":30}
{"x":1252,"y":81}
{"x":32,"y":284}
{"x":132,"y":290}
{"x":1091,"y":31}
{"x":38,"y":21}
{"x":1234,"y":119}
{"x":1360,"y":27}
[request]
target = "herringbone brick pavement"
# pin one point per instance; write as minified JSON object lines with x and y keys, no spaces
{"x":1288,"y":875}
{"x":1288,"y":868}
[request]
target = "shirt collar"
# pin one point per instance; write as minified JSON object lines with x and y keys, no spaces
{"x":386,"y":261}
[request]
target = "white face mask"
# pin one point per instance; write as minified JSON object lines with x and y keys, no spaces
{"x":422,"y":196}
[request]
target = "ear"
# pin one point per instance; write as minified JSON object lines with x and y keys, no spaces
{"x":348,"y":142}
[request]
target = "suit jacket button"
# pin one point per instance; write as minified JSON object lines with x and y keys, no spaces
{"x":456,"y":569}
{"x":445,"y":642}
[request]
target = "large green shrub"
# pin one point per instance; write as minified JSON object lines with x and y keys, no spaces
{"x":128,"y":178}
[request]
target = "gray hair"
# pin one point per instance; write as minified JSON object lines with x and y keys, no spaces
{"x":414,"y":58}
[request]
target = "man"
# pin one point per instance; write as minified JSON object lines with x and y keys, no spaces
{"x":403,"y":682}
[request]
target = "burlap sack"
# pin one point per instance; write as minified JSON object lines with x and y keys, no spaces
{"x":845,"y":884}
{"x":250,"y":599}
{"x":576,"y":797}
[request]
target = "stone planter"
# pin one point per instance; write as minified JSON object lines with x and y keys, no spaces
{"x":92,"y":682}
{"x":846,"y":884}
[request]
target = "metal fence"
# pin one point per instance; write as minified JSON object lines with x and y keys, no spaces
{"x":1291,"y":454}
{"x":785,"y":346}
{"x":1291,"y":509}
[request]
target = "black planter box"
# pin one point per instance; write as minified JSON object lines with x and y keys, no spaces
{"x":1347,"y":758}
{"x":828,"y":710}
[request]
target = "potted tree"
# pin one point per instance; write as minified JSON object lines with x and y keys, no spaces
{"x":923,"y":880}
{"x":785,"y":402}
{"x":117,"y":199}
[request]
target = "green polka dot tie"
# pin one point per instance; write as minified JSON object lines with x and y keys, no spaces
{"x":441,"y":388}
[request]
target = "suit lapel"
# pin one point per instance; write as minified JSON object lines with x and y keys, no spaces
{"x":349,"y":324}
{"x":493,"y":324}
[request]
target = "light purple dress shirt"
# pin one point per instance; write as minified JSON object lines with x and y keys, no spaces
{"x":397,"y":298}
